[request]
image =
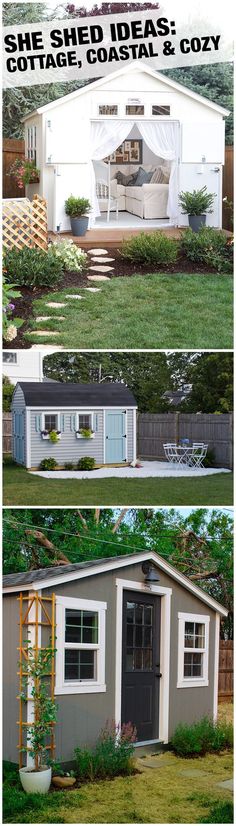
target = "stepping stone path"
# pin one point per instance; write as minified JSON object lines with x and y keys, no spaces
{"x":101,"y":259}
{"x":54,"y":304}
{"x":44,"y":333}
{"x":74,"y":296}
{"x":101,"y":268}
{"x":93,"y":289}
{"x":98,"y":278}
{"x":97,"y":252}
{"x":50,"y":318}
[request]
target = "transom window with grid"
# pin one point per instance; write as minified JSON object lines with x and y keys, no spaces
{"x":107,"y":109}
{"x":80,"y":656}
{"x":193,"y":649}
{"x":51,"y":421}
{"x":134,"y":109}
{"x":139,"y":637}
{"x":85,"y":421}
{"x":31,"y":143}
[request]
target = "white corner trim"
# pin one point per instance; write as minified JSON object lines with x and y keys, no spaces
{"x":85,"y":686}
{"x":165,"y":593}
{"x":216,"y":667}
{"x":192,"y":682}
{"x":28,"y":438}
{"x":134,"y":435}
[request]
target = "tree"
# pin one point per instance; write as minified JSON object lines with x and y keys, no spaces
{"x":214,"y":81}
{"x":7,"y":393}
{"x":211,"y":376}
{"x":200,"y":545}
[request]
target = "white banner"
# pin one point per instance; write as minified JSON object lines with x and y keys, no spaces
{"x":91,"y":47}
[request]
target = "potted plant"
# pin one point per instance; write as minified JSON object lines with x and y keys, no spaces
{"x":25,"y":172}
{"x":37,"y":778}
{"x":77,"y":208}
{"x":54,"y":436}
{"x":196,"y":204}
{"x":85,"y":433}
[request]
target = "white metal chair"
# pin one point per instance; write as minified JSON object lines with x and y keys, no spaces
{"x":171,"y":452}
{"x":198,"y":454}
{"x":105,"y":199}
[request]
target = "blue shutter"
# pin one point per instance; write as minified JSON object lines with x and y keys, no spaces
{"x":73,"y":423}
{"x":96,"y":422}
{"x":38,"y":424}
{"x":62,"y":422}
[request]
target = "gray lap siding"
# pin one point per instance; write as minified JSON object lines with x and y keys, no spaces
{"x":69,"y":448}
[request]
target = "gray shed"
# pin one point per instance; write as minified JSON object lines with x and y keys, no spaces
{"x":136,"y":641}
{"x":107,"y":411}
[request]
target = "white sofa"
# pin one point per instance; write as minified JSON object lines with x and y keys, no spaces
{"x":147,"y":201}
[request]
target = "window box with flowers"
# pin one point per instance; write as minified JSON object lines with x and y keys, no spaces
{"x":85,"y":433}
{"x":25,"y":172}
{"x":53,"y":435}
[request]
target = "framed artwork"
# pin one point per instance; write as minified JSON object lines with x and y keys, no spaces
{"x":130,"y":151}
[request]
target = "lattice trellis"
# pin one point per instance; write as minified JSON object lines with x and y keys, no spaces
{"x":24,"y":223}
{"x":36,"y":612}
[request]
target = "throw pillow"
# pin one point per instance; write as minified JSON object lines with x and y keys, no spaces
{"x":143,"y":177}
{"x":157,"y":176}
{"x":166,"y":174}
{"x":124,"y":180}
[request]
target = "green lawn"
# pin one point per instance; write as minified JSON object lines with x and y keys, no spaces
{"x":177,"y":791}
{"x":21,"y":488}
{"x":151,"y":311}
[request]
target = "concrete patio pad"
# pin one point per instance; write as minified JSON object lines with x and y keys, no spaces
{"x":149,"y":469}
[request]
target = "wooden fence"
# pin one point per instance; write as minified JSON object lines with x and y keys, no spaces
{"x":226,"y":670}
{"x":154,"y":429}
{"x":24,"y":222}
{"x":12,"y":149}
{"x":228,"y":186}
{"x":7,"y":432}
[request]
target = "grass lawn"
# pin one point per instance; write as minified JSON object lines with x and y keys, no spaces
{"x":151,"y":311}
{"x":21,"y":488}
{"x":171,"y":793}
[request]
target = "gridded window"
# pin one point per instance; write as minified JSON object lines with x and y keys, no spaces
{"x":81,"y":626}
{"x":139,"y":637}
{"x":31,"y":143}
{"x":9,"y":358}
{"x":193,"y":650}
{"x":85,"y":421}
{"x":134,"y":109}
{"x":108,"y":110}
{"x":51,"y":421}
{"x":81,"y":630}
{"x":80,"y":665}
{"x":160,"y":110}
{"x":80,"y":654}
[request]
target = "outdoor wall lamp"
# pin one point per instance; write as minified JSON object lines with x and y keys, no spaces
{"x":150,"y":572}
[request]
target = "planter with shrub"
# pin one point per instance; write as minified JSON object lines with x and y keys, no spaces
{"x":32,"y":267}
{"x":201,"y":737}
{"x":36,"y":667}
{"x":196,"y":204}
{"x":112,"y":755}
{"x":86,"y":463}
{"x":54,"y":436}
{"x":48,"y":464}
{"x":85,"y":433}
{"x":208,"y":247}
{"x":153,"y":248}
{"x":77,"y":209}
{"x":25,"y":172}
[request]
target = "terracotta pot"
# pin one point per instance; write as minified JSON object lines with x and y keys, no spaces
{"x":63,"y":782}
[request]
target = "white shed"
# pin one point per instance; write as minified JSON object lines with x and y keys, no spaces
{"x":134,"y":118}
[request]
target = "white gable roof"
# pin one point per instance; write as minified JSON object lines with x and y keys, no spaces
{"x":131,"y":69}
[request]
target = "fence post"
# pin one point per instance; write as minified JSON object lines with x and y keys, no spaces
{"x":177,"y":427}
{"x":231,"y":441}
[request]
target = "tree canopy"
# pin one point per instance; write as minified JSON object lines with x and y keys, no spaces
{"x":199,"y":545}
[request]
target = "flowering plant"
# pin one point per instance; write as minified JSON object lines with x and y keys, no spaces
{"x":71,"y":257}
{"x":9,"y":326}
{"x":24,"y":171}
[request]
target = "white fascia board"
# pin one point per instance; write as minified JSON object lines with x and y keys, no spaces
{"x":124,"y":562}
{"x":83,"y":407}
{"x":128,"y":70}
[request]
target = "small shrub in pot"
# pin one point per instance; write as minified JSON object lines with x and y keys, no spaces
{"x":86,"y":463}
{"x":36,"y":668}
{"x":77,"y":208}
{"x":196,"y":204}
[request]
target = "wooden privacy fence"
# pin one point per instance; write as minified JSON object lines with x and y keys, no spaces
{"x":228,"y":186}
{"x":7,"y":432}
{"x":154,"y":429}
{"x":226,"y":670}
{"x":12,"y":149}
{"x":24,"y":223}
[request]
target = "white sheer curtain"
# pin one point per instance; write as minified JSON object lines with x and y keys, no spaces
{"x":162,"y":139}
{"x":105,"y":138}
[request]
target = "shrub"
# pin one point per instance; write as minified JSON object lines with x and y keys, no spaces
{"x":54,"y":436}
{"x":222,"y":812}
{"x":76,"y":207}
{"x":69,"y":466}
{"x":111,"y":756}
{"x":32,"y":267}
{"x":208,"y":247}
{"x":151,"y":248}
{"x":209,"y":460}
{"x":197,"y":202}
{"x":86,"y":463}
{"x":48,"y":464}
{"x":201,"y":737}
{"x":72,"y":258}
{"x":7,"y":393}
{"x":86,"y":432}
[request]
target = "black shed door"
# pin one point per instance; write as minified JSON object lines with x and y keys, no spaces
{"x":141,"y":663}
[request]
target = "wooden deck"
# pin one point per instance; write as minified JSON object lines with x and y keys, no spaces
{"x":113,"y":237}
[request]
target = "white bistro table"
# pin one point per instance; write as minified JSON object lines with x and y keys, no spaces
{"x":191,"y":455}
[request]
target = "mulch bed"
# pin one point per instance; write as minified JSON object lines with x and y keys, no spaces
{"x":122,"y":268}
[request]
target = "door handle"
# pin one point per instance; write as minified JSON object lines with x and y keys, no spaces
{"x":106,"y":437}
{"x":158,"y":676}
{"x":217,"y":169}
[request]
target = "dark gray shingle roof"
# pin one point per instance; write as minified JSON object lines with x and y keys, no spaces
{"x":40,"y":394}
{"x":27,"y":577}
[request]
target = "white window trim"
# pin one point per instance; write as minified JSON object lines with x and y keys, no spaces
{"x":192,"y":682}
{"x":84,"y":413}
{"x":50,"y":413}
{"x":62,"y":686}
{"x":165,"y":593}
